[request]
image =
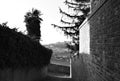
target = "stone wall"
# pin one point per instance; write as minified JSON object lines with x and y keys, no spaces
{"x":103,"y":62}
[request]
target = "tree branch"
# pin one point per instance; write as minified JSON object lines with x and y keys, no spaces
{"x":62,"y":26}
{"x":71,"y":16}
{"x":65,"y":22}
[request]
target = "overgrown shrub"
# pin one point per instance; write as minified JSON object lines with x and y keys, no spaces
{"x":20,"y":51}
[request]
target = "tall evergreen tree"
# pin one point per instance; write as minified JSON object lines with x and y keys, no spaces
{"x":33,"y":21}
{"x":81,"y":9}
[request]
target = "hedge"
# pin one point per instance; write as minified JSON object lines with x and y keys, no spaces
{"x":20,"y":51}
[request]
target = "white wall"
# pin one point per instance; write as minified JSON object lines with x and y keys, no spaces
{"x":85,"y":38}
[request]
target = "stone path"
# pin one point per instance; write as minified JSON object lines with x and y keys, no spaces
{"x":53,"y":78}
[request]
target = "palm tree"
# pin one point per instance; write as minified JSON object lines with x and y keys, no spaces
{"x":33,"y":21}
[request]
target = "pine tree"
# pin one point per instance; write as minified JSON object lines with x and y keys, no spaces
{"x":81,"y":8}
{"x":33,"y":21}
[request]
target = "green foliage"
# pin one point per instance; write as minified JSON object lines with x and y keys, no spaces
{"x":33,"y":21}
{"x":81,"y":7}
{"x":20,"y":51}
{"x":59,"y":70}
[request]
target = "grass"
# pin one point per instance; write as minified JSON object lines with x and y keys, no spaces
{"x":59,"y":70}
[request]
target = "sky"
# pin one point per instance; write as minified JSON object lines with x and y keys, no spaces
{"x":13,"y":11}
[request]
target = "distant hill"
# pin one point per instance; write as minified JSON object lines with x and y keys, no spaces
{"x":58,"y":44}
{"x":58,"y":48}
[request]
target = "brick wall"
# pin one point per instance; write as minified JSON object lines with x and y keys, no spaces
{"x":103,"y":62}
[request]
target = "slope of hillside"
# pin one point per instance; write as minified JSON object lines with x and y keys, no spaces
{"x":59,"y":48}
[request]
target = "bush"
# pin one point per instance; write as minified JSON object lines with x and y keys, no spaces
{"x":20,"y":51}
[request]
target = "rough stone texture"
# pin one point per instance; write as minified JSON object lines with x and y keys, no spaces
{"x":103,"y":62}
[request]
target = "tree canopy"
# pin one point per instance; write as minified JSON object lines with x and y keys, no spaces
{"x":81,"y":9}
{"x":33,"y":21}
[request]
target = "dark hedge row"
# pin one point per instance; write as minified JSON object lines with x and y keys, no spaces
{"x":19,"y":51}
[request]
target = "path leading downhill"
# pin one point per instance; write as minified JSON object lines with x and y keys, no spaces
{"x":58,"y":70}
{"x":58,"y":73}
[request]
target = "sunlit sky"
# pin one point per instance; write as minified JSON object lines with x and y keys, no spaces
{"x":13,"y":12}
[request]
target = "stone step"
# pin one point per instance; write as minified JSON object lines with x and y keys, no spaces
{"x":54,"y":78}
{"x":59,"y":70}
